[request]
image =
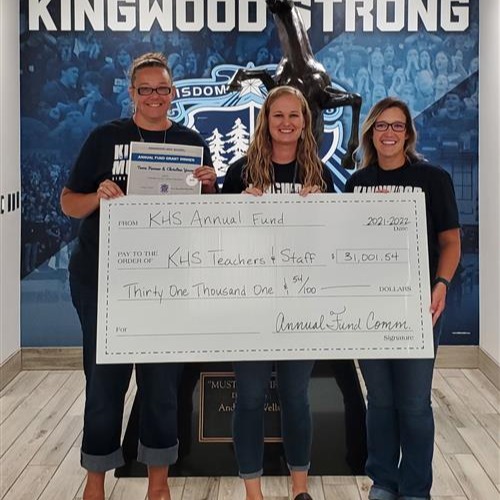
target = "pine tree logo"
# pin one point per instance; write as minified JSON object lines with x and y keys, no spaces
{"x":226,"y":119}
{"x":216,"y":144}
{"x":239,"y":139}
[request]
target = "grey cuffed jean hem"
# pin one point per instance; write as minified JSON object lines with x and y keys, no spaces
{"x":157,"y":457}
{"x":405,"y":497}
{"x":102,"y":463}
{"x":251,"y":475}
{"x":377,"y":493}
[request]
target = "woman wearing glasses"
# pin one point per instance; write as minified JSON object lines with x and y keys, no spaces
{"x":400,"y":423}
{"x":99,"y":173}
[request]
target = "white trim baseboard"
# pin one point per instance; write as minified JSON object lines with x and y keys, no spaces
{"x":52,"y":358}
{"x":457,"y":356}
{"x":489,"y":367}
{"x":70,"y":358}
{"x":10,"y":368}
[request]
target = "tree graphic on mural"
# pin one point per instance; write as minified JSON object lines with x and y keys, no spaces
{"x":216,"y":144}
{"x":239,"y":138}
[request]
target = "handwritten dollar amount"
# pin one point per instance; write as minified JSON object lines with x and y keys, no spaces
{"x":371,"y":256}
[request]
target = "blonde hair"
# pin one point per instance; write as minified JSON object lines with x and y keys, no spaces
{"x":148,"y":60}
{"x":259,"y":169}
{"x":366,"y":150}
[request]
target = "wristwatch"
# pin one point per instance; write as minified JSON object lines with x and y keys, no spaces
{"x":440,"y":279}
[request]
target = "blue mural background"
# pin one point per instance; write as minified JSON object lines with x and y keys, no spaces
{"x":72,"y":80}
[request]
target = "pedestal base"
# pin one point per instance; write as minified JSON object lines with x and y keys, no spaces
{"x":206,"y":397}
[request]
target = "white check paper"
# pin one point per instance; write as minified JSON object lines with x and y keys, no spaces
{"x":233,"y":277}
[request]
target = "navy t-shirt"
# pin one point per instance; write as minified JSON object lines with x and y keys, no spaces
{"x":286,"y":178}
{"x":440,"y":203}
{"x":104,"y":155}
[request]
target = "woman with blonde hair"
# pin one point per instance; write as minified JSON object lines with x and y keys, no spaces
{"x":399,"y":418}
{"x":282,"y":158}
{"x":281,"y":145}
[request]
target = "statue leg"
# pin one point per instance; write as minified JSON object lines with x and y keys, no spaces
{"x":348,"y":159}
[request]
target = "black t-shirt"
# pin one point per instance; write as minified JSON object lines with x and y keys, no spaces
{"x":104,"y":155}
{"x":286,"y":178}
{"x":440,"y":203}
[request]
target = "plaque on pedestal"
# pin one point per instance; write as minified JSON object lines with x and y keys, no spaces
{"x":206,"y":402}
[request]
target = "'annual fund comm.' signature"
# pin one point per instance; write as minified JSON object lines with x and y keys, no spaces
{"x":338,"y":321}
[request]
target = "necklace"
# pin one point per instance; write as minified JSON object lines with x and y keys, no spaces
{"x":142,"y":137}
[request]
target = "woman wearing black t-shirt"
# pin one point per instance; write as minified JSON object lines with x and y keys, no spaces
{"x":282,"y":158}
{"x":400,"y":423}
{"x":99,"y":173}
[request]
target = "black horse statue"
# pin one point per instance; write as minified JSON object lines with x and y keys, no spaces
{"x":301,"y":70}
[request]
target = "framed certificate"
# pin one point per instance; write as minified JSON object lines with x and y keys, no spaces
{"x":156,"y":168}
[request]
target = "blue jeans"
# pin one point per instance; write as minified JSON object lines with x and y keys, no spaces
{"x":400,"y":426}
{"x":106,"y":386}
{"x":252,"y":384}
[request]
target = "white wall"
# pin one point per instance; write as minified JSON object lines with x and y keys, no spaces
{"x":489,"y":178}
{"x":9,"y":179}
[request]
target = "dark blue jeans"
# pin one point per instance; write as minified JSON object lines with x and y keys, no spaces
{"x":106,"y":386}
{"x":400,"y":426}
{"x":252,"y":384}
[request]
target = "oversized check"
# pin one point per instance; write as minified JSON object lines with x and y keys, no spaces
{"x":234,"y":277}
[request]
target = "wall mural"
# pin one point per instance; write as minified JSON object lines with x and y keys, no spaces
{"x":74,"y":61}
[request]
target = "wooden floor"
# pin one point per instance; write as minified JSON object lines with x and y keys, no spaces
{"x":40,"y":432}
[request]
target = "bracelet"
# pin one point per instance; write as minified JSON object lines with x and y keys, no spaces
{"x":440,"y":279}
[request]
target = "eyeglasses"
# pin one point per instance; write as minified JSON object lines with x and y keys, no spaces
{"x":396,"y":126}
{"x":163,"y":90}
